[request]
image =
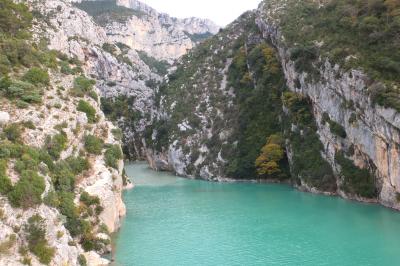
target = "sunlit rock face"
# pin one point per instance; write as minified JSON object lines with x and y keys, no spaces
{"x":372,"y":139}
{"x":374,"y":135}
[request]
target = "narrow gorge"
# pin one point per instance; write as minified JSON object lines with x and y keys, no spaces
{"x":298,"y":92}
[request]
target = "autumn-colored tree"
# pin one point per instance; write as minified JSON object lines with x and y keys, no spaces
{"x":272,"y":153}
{"x":272,"y":63}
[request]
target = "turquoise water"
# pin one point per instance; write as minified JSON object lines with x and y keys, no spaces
{"x":173,"y":221}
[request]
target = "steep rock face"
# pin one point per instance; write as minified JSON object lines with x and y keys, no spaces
{"x":374,"y":134}
{"x":217,"y":98}
{"x":120,"y":72}
{"x":191,"y":25}
{"x":127,"y":58}
{"x":157,"y":34}
{"x":55,"y":124}
{"x":359,"y":139}
{"x":101,"y":181}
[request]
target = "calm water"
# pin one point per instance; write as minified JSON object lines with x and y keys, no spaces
{"x":173,"y":221}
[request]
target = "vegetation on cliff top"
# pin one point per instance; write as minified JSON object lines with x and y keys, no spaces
{"x":107,"y":11}
{"x":354,"y":34}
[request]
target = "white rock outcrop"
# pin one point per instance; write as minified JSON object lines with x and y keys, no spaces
{"x":4,"y":118}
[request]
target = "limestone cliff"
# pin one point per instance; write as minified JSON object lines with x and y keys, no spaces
{"x":375,"y":133}
{"x":203,"y":130}
{"x":157,"y":34}
{"x":128,"y":53}
{"x":53,"y":182}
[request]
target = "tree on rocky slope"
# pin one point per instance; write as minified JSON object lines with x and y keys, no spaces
{"x":272,"y":153}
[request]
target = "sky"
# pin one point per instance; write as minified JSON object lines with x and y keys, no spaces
{"x":221,"y":12}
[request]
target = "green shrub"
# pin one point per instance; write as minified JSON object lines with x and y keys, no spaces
{"x":353,"y":118}
{"x":17,"y":88}
{"x":397,"y":196}
{"x":56,"y":144}
{"x":52,"y":199}
{"x":22,"y":105}
{"x":21,"y":90}
{"x":78,"y":164}
{"x":92,"y":94}
{"x":5,"y":182}
{"x":356,"y":181}
{"x":37,"y":76}
{"x":160,"y":67}
{"x":112,"y":155}
{"x":61,"y":126}
{"x":110,"y":48}
{"x":63,"y":177}
{"x":82,"y":260}
{"x":46,"y":158}
{"x":28,"y":190}
{"x":82,"y":86}
{"x":4,"y":152}
{"x":75,"y":225}
{"x":36,"y":237}
{"x":302,"y":55}
{"x":93,"y":145}
{"x":88,"y":110}
{"x":65,"y":68}
{"x":89,"y":200}
{"x":337,"y":129}
{"x":29,"y":124}
{"x":13,"y":132}
{"x":26,"y":162}
{"x":90,"y":242}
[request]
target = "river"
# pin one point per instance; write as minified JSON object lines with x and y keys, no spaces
{"x":173,"y":221}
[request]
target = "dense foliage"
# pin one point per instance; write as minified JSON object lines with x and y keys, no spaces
{"x":112,"y":155}
{"x":258,"y":90}
{"x":28,"y":191}
{"x":199,"y":37}
{"x":159,"y":67}
{"x":271,"y":156}
{"x":305,"y":146}
{"x":355,"y":180}
{"x":56,"y":144}
{"x":117,"y":107}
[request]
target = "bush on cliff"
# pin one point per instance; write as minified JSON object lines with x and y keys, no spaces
{"x":90,"y":112}
{"x":93,"y":144}
{"x":36,"y":236}
{"x":356,"y":180}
